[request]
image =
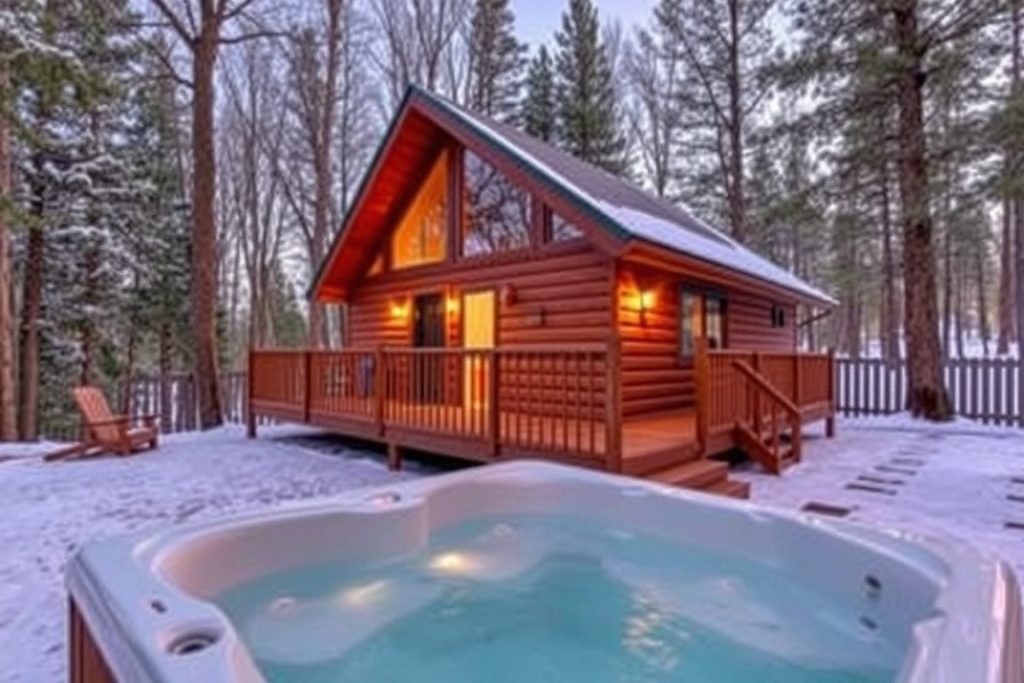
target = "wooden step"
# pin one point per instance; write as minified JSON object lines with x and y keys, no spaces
{"x":730,"y":488}
{"x":694,"y":475}
{"x":654,"y":461}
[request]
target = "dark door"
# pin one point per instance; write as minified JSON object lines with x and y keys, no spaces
{"x":428,"y":332}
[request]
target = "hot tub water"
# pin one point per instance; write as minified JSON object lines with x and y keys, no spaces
{"x":550,"y":597}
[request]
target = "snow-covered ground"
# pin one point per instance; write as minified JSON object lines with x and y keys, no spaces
{"x":959,"y":480}
{"x":47,"y":510}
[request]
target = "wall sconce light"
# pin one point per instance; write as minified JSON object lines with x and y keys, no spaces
{"x":452,"y":305}
{"x":399,"y":311}
{"x":646,"y":301}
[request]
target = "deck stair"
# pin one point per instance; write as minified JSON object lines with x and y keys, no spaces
{"x":683,"y":466}
{"x":771,"y":433}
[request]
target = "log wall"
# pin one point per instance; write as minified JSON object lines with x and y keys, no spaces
{"x":655,"y":378}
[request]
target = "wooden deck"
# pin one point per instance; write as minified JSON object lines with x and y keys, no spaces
{"x":549,"y":403}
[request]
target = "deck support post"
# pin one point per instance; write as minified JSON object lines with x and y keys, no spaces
{"x":613,"y":405}
{"x":394,"y":457}
{"x":250,"y":416}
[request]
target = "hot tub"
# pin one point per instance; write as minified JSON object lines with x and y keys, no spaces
{"x":537,"y":572}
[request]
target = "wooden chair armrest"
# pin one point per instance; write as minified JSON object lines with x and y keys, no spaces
{"x":116,"y":420}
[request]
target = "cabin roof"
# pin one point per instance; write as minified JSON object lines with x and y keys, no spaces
{"x":619,"y":207}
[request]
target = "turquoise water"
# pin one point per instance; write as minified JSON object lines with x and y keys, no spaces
{"x":550,"y":598}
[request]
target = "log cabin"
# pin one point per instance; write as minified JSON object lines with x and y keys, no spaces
{"x":503,"y":299}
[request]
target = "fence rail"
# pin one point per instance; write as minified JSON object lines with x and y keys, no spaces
{"x":171,"y":398}
{"x":983,"y":389}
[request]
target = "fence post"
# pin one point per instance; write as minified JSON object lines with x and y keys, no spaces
{"x":613,"y":405}
{"x":250,"y":416}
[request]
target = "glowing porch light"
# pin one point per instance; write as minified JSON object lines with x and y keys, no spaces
{"x":399,"y":311}
{"x":453,"y":305}
{"x":646,"y":300}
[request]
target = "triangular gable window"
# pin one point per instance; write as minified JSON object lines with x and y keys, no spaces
{"x":420,"y":236}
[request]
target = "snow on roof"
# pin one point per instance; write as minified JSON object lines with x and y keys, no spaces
{"x":627,"y":209}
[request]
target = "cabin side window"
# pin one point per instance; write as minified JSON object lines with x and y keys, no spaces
{"x":700,"y":314}
{"x":421,"y":234}
{"x":497,"y":211}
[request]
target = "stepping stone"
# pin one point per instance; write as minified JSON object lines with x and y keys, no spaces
{"x":1017,"y":480}
{"x":911,"y":462}
{"x":854,"y":486}
{"x":1015,"y":498}
{"x":826,"y":509}
{"x":1017,"y":526}
{"x":895,"y":470}
{"x":870,"y":478}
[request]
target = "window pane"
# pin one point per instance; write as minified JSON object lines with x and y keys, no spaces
{"x":420,"y":237}
{"x":687,"y":317}
{"x":714,"y":322}
{"x":562,"y":230}
{"x":497,"y":214}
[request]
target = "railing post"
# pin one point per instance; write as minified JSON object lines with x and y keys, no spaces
{"x":613,"y":405}
{"x":701,"y":366}
{"x":830,"y":421}
{"x":493,"y":407}
{"x":797,"y":394}
{"x":250,"y":416}
{"x":308,"y":382}
{"x":755,"y":398}
{"x":379,"y":376}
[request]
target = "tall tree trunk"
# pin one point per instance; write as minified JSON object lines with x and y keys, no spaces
{"x":737,"y":199}
{"x":947,"y":291}
{"x":890,"y":317}
{"x":927,"y":396}
{"x":8,"y":414}
{"x":958,"y":313}
{"x":31,"y":311}
{"x":1006,"y":280}
{"x":204,"y":228}
{"x":980,"y":256}
{"x":129,"y":368}
{"x":164,"y":349}
{"x":322,"y":161}
{"x":1017,"y":155}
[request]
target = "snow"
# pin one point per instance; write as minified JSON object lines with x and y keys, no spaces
{"x":47,"y":510}
{"x":949,"y":480}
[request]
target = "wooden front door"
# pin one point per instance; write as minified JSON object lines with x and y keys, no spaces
{"x":478,"y":316}
{"x":428,"y":332}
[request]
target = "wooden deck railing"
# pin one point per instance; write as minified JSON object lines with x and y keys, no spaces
{"x":487,"y":403}
{"x":737,"y":390}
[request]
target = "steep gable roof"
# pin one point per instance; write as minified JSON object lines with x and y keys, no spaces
{"x":625,"y":211}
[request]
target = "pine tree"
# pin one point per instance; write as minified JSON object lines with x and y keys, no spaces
{"x":539,"y":111}
{"x":496,"y":59}
{"x":588,"y":118}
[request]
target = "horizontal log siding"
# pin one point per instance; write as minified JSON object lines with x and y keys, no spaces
{"x":654,"y":377}
{"x":562,"y":297}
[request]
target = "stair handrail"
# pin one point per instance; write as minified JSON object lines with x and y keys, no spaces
{"x":761,"y":383}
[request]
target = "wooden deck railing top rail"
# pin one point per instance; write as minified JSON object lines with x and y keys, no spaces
{"x":505,"y":401}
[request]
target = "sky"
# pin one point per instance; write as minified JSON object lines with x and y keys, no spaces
{"x":537,"y":20}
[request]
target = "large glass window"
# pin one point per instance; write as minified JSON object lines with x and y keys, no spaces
{"x":497,"y":212}
{"x":700,"y":314}
{"x":420,"y":237}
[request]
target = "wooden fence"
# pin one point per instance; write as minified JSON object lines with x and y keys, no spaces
{"x":172,"y":399}
{"x":983,"y":389}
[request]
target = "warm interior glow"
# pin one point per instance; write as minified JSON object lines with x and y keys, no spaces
{"x":420,"y":236}
{"x":647,"y":300}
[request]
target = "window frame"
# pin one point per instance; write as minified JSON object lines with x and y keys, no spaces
{"x":464,"y":212}
{"x":700,"y":295}
{"x":444,"y":161}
